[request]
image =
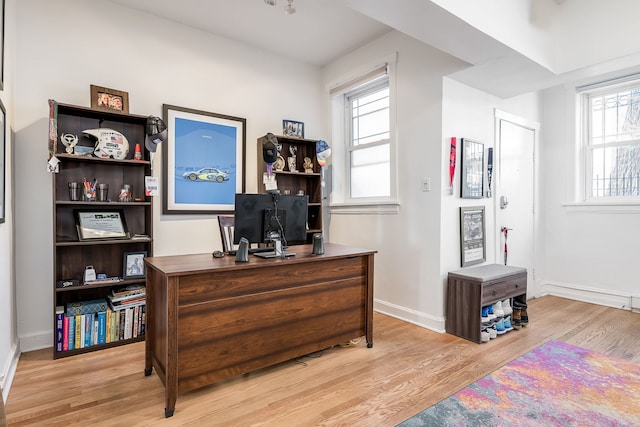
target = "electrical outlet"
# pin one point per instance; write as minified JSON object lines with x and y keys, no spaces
{"x":426,"y":184}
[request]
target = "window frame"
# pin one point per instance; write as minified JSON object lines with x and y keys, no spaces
{"x":341,"y":201}
{"x":584,"y":96}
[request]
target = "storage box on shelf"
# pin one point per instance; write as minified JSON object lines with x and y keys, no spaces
{"x":72,"y":255}
{"x":297,"y":181}
{"x":470,"y":289}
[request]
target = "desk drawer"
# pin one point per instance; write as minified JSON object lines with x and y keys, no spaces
{"x":494,"y":292}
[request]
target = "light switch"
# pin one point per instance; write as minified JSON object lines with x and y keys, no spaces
{"x":426,"y":184}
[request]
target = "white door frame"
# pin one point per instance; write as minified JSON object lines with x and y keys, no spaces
{"x":535,"y":127}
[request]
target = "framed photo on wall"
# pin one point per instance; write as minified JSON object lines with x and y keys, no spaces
{"x":472,"y":235}
{"x":472,"y":169}
{"x":103,"y":98}
{"x":203,"y":161}
{"x":3,"y":160}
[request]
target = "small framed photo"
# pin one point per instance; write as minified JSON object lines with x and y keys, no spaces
{"x":133,"y":265}
{"x":292,"y":128}
{"x":103,"y":98}
{"x":472,"y":241}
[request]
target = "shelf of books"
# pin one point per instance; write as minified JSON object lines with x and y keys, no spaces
{"x":105,"y":322}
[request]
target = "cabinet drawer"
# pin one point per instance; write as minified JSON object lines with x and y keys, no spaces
{"x":494,"y":292}
{"x":516,"y":287}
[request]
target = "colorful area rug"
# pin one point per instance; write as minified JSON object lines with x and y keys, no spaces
{"x":556,"y":384}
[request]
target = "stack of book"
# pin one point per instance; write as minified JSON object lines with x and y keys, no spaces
{"x":121,"y":316}
{"x":127,"y":297}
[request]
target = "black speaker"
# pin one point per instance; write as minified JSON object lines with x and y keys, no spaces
{"x":242,"y":254}
{"x":318,"y":244}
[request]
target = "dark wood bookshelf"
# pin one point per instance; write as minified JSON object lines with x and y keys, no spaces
{"x":70,"y":254}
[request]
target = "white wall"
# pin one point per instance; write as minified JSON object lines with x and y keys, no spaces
{"x":470,"y":113}
{"x":590,"y":252}
{"x":407,"y":273}
{"x":157,"y":62}
{"x":9,"y":349}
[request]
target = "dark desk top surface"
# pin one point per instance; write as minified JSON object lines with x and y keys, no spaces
{"x":177,"y":265}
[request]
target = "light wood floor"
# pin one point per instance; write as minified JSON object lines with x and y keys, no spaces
{"x":408,"y":369}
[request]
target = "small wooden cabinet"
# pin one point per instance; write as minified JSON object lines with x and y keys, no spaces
{"x":470,"y":289}
{"x":294,"y":182}
{"x":70,"y":254}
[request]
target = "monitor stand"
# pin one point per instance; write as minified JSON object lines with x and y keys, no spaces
{"x":273,"y":254}
{"x":277,"y":252}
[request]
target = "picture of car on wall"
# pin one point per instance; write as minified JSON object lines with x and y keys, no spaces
{"x":206,"y":174}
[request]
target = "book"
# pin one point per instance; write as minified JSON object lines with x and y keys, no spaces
{"x":128,"y":290}
{"x":127,"y":323}
{"x":94,"y":332}
{"x":65,"y":333}
{"x":59,"y":326}
{"x":72,"y":332}
{"x":80,"y":341}
{"x":143,"y":322}
{"x":85,"y":307}
{"x":102,"y":327}
{"x":108,"y":332}
{"x":88,"y":322}
{"x":78,"y":332}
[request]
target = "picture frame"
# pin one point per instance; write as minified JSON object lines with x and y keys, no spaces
{"x":472,"y":235}
{"x":2,"y":33}
{"x":203,"y":161}
{"x":103,"y":98}
{"x":293,"y":128}
{"x":133,"y":265}
{"x":94,"y":224}
{"x":3,"y":161}
{"x":472,"y":169}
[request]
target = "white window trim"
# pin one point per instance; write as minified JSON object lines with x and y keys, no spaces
{"x":340,"y":201}
{"x":587,"y":203}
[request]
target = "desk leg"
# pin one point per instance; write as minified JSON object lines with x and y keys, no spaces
{"x":171,"y":378}
{"x":149,"y":327}
{"x":369,"y":313}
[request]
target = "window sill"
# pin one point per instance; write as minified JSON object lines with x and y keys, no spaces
{"x":379,"y":208}
{"x":609,"y":207}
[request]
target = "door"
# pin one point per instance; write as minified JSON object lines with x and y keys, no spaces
{"x":515,"y":191}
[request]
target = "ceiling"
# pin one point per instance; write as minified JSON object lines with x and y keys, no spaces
{"x":319,"y":32}
{"x":324,"y":30}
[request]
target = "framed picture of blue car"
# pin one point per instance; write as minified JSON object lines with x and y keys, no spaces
{"x":203,"y":161}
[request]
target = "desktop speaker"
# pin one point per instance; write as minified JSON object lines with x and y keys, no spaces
{"x":318,"y":244}
{"x":242,"y":254}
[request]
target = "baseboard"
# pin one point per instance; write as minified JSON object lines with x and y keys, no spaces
{"x":604,"y":297}
{"x":9,"y":370}
{"x":36,"y":341}
{"x":418,"y":318}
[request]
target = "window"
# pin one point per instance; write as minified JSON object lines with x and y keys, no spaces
{"x":611,"y":129}
{"x":368,"y":115}
{"x":364,"y":149}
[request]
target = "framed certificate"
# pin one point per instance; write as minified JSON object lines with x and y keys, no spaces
{"x":472,"y":240}
{"x":101,"y":225}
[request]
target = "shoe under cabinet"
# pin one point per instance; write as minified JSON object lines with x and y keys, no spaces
{"x":470,"y":289}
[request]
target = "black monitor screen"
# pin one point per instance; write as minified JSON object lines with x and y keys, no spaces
{"x":257,"y":221}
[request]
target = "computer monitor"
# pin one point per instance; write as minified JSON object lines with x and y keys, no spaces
{"x":262,"y":217}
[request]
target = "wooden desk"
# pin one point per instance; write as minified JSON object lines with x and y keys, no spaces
{"x":209,"y":318}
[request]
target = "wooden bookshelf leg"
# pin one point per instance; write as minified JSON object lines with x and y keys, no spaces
{"x":147,"y":372}
{"x":169,"y":412}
